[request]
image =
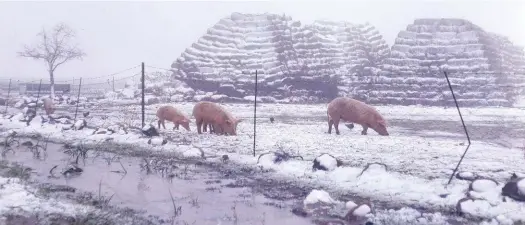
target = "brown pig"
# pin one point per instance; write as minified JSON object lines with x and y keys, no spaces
{"x":222,"y":121}
{"x":174,"y":115}
{"x":49,"y":107}
{"x":354,"y":111}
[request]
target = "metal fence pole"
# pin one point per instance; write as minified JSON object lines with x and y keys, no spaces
{"x":38,"y":95}
{"x":255,"y":114}
{"x":78,"y":98}
{"x":143,"y":87}
{"x":7,"y":99}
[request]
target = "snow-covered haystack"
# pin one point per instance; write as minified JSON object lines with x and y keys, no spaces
{"x":326,"y":162}
{"x":473,"y":58}
{"x":291,"y":59}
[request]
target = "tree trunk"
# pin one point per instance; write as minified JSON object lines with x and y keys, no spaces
{"x":52,"y":85}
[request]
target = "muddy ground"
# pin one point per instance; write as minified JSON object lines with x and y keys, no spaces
{"x":145,"y":187}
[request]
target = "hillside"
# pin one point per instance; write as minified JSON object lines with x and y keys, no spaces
{"x":319,"y":61}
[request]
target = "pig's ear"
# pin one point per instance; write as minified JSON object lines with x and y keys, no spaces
{"x":382,"y":122}
{"x":238,"y":121}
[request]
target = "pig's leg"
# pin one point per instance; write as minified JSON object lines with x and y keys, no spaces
{"x":199,"y":124}
{"x":330,"y":123}
{"x":336,"y":125}
{"x":204,"y":126}
{"x":175,"y":125}
{"x":365,"y":128}
{"x":158,"y":123}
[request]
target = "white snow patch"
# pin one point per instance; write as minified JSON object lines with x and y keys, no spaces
{"x":350,"y":205}
{"x":362,"y":210}
{"x":192,"y":152}
{"x":521,"y":186}
{"x":316,"y":196}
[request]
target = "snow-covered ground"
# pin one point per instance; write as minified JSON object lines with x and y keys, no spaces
{"x":16,"y":197}
{"x":418,"y":165}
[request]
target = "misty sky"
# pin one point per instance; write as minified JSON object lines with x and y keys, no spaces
{"x":118,"y":35}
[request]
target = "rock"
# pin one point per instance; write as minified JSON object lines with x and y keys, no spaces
{"x":483,"y":185}
{"x":299,"y":211}
{"x":316,"y":196}
{"x":326,"y":162}
{"x":86,"y":114}
{"x":272,"y":119}
{"x":350,"y":205}
{"x":79,"y":125}
{"x":358,"y":213}
{"x":157,"y":141}
{"x":466,"y":176}
{"x":150,"y":130}
{"x":514,"y":188}
{"x":472,"y":206}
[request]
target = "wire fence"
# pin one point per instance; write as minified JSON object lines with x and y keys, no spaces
{"x":78,"y":92}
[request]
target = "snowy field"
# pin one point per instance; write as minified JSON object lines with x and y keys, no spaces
{"x":423,"y":148}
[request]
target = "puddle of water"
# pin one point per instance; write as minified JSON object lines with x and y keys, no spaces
{"x":199,"y":191}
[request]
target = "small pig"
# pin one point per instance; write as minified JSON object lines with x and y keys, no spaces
{"x":222,"y":121}
{"x":174,"y":115}
{"x":49,"y":107}
{"x":354,"y":111}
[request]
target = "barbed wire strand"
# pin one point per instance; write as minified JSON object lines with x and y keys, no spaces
{"x":87,"y":78}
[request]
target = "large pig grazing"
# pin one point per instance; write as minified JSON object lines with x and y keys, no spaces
{"x":354,"y":111}
{"x":174,"y":115}
{"x":222,"y":121}
{"x":49,"y":107}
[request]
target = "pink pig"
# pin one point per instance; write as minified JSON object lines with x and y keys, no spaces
{"x":49,"y":107}
{"x":174,"y":115}
{"x":354,"y":111}
{"x":213,"y":114}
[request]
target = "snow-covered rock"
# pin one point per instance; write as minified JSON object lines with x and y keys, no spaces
{"x":79,"y":124}
{"x":483,"y":185}
{"x":466,"y":176}
{"x":316,"y":196}
{"x":150,"y":130}
{"x":157,"y":141}
{"x":350,"y":205}
{"x":325,"y":162}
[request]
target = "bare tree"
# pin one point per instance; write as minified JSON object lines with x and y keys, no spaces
{"x":55,"y":48}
